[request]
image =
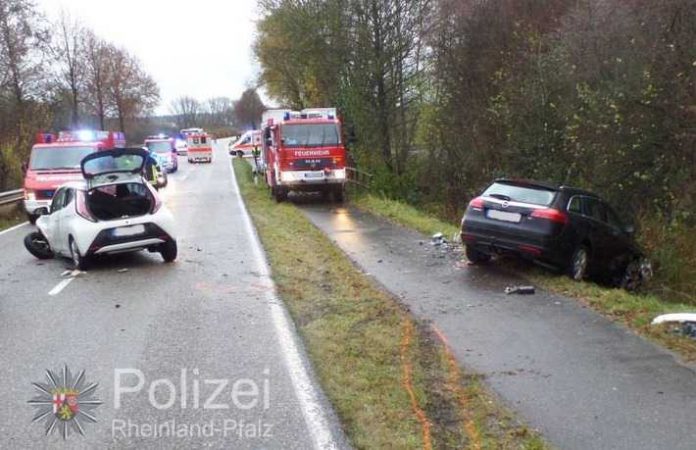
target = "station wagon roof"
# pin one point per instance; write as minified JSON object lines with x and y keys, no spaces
{"x":545,"y":185}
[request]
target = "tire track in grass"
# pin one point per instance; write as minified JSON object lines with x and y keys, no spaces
{"x":407,"y":381}
{"x":455,"y":383}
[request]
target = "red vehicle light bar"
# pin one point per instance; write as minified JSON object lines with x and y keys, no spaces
{"x":110,"y":139}
{"x":45,"y":138}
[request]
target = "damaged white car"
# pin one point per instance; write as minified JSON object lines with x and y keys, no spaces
{"x":113,"y":211}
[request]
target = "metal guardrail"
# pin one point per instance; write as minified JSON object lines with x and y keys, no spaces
{"x":358,"y":177}
{"x":9,"y":197}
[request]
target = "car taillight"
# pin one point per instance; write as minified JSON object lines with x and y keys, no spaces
{"x":476,"y":203}
{"x":551,"y":214}
{"x":81,"y":207}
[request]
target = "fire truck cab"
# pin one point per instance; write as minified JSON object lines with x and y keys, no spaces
{"x":200,"y":147}
{"x":55,"y":160}
{"x":304,"y":151}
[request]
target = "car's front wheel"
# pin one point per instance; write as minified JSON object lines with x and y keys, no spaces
{"x":168,"y":250}
{"x":79,"y":262}
{"x":579,"y":263}
{"x":37,"y":245}
{"x":476,"y":256}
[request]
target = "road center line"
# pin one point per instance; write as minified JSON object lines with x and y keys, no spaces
{"x":312,"y":408}
{"x":60,"y":286}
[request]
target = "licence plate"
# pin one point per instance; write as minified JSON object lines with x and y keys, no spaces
{"x":314,"y":175}
{"x":129,"y":231}
{"x":504,"y":216}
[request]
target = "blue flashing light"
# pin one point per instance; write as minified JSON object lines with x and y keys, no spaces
{"x":86,"y":135}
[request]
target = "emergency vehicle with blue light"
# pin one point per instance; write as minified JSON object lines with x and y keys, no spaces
{"x":304,"y":151}
{"x":55,"y":160}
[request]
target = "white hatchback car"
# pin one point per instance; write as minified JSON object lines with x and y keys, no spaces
{"x":113,"y":211}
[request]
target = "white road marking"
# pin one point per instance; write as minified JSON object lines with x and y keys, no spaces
{"x":13,"y":228}
{"x":60,"y":286}
{"x":312,"y":409}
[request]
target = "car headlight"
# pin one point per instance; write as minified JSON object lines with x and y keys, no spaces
{"x":340,"y":174}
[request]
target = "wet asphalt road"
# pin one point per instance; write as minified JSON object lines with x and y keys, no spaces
{"x":584,"y":382}
{"x":211,"y":314}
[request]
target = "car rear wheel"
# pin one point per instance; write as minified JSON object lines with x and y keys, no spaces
{"x":37,"y":245}
{"x":168,"y":250}
{"x":476,"y":256}
{"x":79,"y":262}
{"x":579,"y":263}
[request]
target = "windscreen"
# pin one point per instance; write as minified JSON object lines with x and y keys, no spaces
{"x":110,"y":163}
{"x":310,"y":135}
{"x":160,"y":147}
{"x":522,"y":194}
{"x":57,"y":158}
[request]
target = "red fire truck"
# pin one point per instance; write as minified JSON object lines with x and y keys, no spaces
{"x":200,"y":147}
{"x":55,"y":160}
{"x":303,"y":151}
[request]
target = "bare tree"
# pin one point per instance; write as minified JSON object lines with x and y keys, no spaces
{"x":97,"y":53}
{"x":186,"y":110}
{"x":132,"y":92}
{"x":68,"y":50}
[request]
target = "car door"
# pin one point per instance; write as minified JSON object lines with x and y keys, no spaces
{"x":54,"y":235}
{"x":621,"y":246}
{"x":600,"y":233}
{"x":64,"y":216}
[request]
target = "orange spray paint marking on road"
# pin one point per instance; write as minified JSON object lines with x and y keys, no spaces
{"x":407,"y":382}
{"x":455,"y":377}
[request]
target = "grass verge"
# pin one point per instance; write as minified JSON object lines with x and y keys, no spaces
{"x":392,"y":381}
{"x":14,"y":217}
{"x":634,"y":310}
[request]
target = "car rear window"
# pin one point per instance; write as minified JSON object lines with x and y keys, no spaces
{"x":522,"y":194}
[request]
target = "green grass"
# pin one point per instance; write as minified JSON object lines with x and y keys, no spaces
{"x":635,"y":310}
{"x":390,"y":379}
{"x":11,"y":219}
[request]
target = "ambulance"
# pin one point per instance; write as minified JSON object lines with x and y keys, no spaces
{"x":200,"y":147}
{"x":55,"y":160}
{"x":244,"y":146}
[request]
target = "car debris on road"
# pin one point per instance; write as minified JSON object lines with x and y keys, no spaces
{"x":686,"y":323}
{"x":521,"y":290}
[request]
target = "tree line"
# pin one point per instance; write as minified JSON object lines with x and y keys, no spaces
{"x":61,"y":75}
{"x":221,"y":114}
{"x":444,"y":95}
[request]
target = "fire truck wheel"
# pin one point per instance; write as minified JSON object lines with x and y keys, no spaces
{"x":280,"y":194}
{"x":32,"y":218}
{"x":240,"y":153}
{"x":339,"y":194}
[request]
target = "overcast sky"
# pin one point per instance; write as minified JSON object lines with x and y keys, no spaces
{"x":200,"y":48}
